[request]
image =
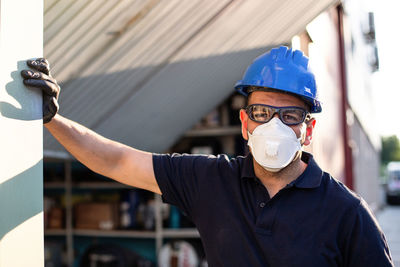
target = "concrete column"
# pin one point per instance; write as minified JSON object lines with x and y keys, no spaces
{"x":21,"y":135}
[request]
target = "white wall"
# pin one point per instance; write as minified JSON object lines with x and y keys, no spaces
{"x":21,"y":146}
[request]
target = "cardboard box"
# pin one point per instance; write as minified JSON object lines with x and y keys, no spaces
{"x":95,"y":215}
{"x":55,"y":218}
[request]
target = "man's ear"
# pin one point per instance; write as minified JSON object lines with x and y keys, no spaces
{"x":309,"y":131}
{"x":243,"y":118}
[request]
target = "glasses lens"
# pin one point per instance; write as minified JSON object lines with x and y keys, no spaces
{"x":260,"y":113}
{"x":292,"y":115}
{"x":288,"y":115}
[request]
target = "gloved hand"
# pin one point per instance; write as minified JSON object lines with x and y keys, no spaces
{"x":40,"y":77}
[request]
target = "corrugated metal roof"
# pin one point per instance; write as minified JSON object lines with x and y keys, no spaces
{"x":143,"y":72}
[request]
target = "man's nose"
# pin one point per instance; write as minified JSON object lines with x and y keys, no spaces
{"x":275,"y":115}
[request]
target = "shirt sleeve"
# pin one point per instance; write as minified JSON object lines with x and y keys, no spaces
{"x":178,"y":177}
{"x":365,"y":243}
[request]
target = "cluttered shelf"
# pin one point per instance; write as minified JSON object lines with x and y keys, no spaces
{"x":87,"y":185}
{"x":180,"y":233}
{"x":55,"y":232}
{"x":101,"y":233}
{"x":214,"y":131}
{"x":114,"y":233}
{"x":166,"y":233}
{"x":54,"y":185}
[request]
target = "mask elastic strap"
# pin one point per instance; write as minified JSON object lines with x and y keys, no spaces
{"x":301,"y":143}
{"x":248,"y":133}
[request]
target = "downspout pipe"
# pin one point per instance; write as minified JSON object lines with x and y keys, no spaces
{"x":348,"y":154}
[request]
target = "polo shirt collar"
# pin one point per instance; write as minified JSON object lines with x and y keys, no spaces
{"x":310,"y":178}
{"x":312,"y":175}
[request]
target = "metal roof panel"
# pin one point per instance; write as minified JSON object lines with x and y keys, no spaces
{"x":133,"y":69}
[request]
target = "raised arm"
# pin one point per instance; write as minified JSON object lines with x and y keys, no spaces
{"x":104,"y":156}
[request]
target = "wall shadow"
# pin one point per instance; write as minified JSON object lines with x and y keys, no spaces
{"x":21,"y":198}
{"x":31,"y":107}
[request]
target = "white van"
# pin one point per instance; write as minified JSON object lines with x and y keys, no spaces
{"x":393,"y":183}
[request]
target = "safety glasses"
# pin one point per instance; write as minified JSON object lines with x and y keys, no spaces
{"x":288,"y":115}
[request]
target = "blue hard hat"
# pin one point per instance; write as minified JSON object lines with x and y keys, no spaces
{"x":283,"y":70}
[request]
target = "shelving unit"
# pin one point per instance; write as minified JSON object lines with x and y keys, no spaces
{"x":55,"y":232}
{"x":87,"y":185}
{"x":214,"y":132}
{"x":159,"y":234}
{"x":115,"y":233}
{"x":223,"y":133}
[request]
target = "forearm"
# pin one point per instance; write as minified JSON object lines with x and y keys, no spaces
{"x":104,"y":156}
{"x":96,"y":152}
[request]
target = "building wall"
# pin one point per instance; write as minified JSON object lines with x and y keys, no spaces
{"x":361,"y":62}
{"x":366,"y":163}
{"x":328,"y":145}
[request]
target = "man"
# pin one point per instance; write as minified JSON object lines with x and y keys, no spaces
{"x":274,"y":207}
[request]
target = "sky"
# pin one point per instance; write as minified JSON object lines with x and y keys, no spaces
{"x":386,"y":82}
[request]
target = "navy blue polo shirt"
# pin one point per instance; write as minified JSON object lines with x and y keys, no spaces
{"x":314,"y":221}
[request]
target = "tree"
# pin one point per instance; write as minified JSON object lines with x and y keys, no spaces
{"x":390,"y":149}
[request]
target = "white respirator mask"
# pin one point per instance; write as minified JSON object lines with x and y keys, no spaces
{"x":274,"y":145}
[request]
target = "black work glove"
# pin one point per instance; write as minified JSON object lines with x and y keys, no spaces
{"x":40,"y":77}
